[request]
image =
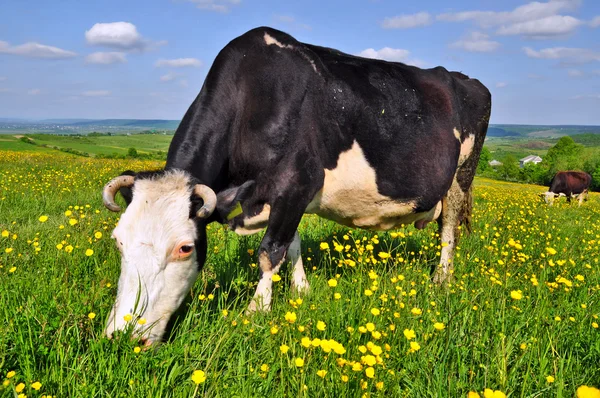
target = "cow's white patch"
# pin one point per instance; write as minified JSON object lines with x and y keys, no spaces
{"x":262,"y":297}
{"x":466,"y":148}
{"x":270,"y":40}
{"x":255,"y":223}
{"x":350,"y":197}
{"x":155,"y":277}
{"x":299,"y":281}
{"x":456,"y":134}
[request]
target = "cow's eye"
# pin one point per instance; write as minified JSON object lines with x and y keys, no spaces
{"x":186,"y":249}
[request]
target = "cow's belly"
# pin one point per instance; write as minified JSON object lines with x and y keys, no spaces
{"x":350,"y":197}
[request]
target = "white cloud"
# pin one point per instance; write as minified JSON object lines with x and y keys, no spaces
{"x":291,"y":21}
{"x":96,"y":93}
{"x":586,"y":96}
{"x":36,"y":50}
{"x":106,"y":58}
{"x":596,"y":72}
{"x":476,"y":42}
{"x":5,"y":90}
{"x":501,"y":84}
{"x":178,"y":63}
{"x":391,"y":54}
{"x":575,"y":73}
{"x":169,"y":77}
{"x":594,"y":23}
{"x":121,"y":35}
{"x":568,"y":54}
{"x":2,"y":78}
{"x":215,"y":5}
{"x":34,"y":91}
{"x":547,"y":27}
{"x":183,"y":83}
{"x":407,"y":21}
{"x":527,"y":12}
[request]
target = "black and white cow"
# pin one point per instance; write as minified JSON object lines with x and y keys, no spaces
{"x":572,"y":184}
{"x":284,"y":128}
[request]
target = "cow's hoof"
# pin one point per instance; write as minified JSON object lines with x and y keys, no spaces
{"x":255,"y":307}
{"x":441,"y":278}
{"x":301,"y":287}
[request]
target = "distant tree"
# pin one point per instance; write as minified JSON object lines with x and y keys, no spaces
{"x":132,"y":153}
{"x":484,"y":159}
{"x":565,"y":155}
{"x":509,"y":169}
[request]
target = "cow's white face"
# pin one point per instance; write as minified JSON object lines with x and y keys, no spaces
{"x":156,"y":239}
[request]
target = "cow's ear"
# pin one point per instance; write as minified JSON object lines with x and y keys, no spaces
{"x":228,"y":201}
{"x":126,"y":190}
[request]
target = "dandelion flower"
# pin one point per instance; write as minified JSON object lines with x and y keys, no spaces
{"x":274,"y":330}
{"x":12,"y":269}
{"x":91,"y":315}
{"x":284,"y":348}
{"x":98,"y":235}
{"x":275,"y":278}
{"x":370,"y":372}
{"x":375,"y":311}
{"x":489,"y":393}
{"x":264,"y":367}
{"x":299,"y":362}
{"x":439,"y":326}
{"x":332,"y":283}
{"x":409,"y":334}
{"x":588,"y":392}
{"x":321,"y":373}
{"x":321,"y":325}
{"x":550,"y":379}
{"x":414,"y":346}
{"x":89,"y":252}
{"x":290,"y":317}
{"x":137,"y":350}
{"x":324,"y":246}
{"x":141,"y":321}
{"x":473,"y":394}
{"x":19,"y":387}
{"x":127,"y":317}
{"x":516,"y":294}
{"x":11,"y":374}
{"x":43,"y":218}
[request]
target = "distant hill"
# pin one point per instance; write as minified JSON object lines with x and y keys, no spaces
{"x":498,"y":132}
{"x":140,"y":123}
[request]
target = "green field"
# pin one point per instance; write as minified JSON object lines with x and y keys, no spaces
{"x":521,"y":315}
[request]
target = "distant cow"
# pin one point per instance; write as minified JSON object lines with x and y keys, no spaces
{"x":570,"y":184}
{"x":282,"y":128}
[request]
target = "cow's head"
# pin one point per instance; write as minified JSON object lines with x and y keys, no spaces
{"x":161,"y":237}
{"x":550,"y":196}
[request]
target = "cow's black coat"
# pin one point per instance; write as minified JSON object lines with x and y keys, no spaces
{"x":281,"y":113}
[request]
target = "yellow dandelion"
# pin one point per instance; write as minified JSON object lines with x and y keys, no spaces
{"x":370,"y":372}
{"x":89,"y":252}
{"x":43,"y":218}
{"x":321,"y":325}
{"x":91,"y":315}
{"x":321,"y":373}
{"x":284,"y":348}
{"x":198,"y":376}
{"x":299,"y":362}
{"x":332,"y":283}
{"x":439,"y":326}
{"x":275,"y":278}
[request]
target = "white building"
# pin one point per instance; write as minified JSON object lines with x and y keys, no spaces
{"x":529,"y":159}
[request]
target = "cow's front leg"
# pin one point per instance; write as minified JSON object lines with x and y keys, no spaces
{"x":296,"y":188}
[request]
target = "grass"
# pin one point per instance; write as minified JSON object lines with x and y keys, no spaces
{"x":547,"y":256}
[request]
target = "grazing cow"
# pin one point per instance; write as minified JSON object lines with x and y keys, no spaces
{"x":282,"y":128}
{"x":572,"y":184}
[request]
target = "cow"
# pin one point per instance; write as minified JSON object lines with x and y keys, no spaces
{"x":282,"y":128}
{"x":572,"y":184}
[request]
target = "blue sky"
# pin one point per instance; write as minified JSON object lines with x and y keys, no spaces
{"x":148,"y":59}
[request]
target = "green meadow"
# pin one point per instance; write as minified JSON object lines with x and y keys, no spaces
{"x":519,"y":319}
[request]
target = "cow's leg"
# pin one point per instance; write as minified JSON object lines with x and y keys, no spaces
{"x":453,"y":206}
{"x":299,"y":282}
{"x":294,"y":189}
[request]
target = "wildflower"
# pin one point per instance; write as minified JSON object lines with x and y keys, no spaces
{"x":439,"y":326}
{"x":370,"y":372}
{"x":409,"y":334}
{"x":414,"y":346}
{"x":375,"y":311}
{"x":275,"y":278}
{"x":332,"y":283}
{"x":284,"y":348}
{"x":384,"y":255}
{"x":137,"y":350}
{"x":5,"y":234}
{"x":198,"y":376}
{"x":489,"y":393}
{"x":473,"y":394}
{"x":274,"y":330}
{"x":127,"y":317}
{"x":72,"y":221}
{"x":264,"y":367}
{"x":299,"y":362}
{"x":344,"y":378}
{"x":550,"y":251}
{"x":91,"y":315}
{"x":321,"y":325}
{"x":368,"y":360}
{"x":588,"y":392}
{"x":68,"y":213}
{"x":12,"y":269}
{"x":370,"y":326}
{"x":321,"y":373}
{"x":416,"y":311}
{"x":595,"y":325}
{"x":142,"y":321}
{"x":43,"y":218}
{"x":11,"y":374}
{"x":324,"y":246}
{"x":290,"y":317}
{"x":550,"y":379}
{"x":337,"y":296}
{"x":98,"y":235}
{"x":8,"y":250}
{"x":516,"y":294}
{"x":305,"y":341}
{"x":19,"y":387}
{"x":89,"y":252}
{"x":368,"y":292}
{"x":580,"y":278}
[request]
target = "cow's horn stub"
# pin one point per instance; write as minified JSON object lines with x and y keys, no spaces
{"x":110,"y":190}
{"x":209,"y":198}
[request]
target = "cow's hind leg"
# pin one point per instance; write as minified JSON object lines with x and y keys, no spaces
{"x":453,"y":209}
